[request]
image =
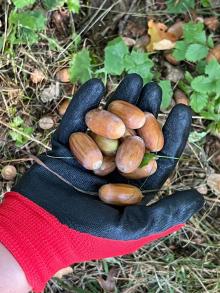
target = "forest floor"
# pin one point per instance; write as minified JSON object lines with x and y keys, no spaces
{"x":187,"y":261}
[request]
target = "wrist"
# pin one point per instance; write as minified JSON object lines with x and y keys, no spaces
{"x":11,"y":274}
{"x":35,"y":238}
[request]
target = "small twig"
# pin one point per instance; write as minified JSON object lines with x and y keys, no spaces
{"x":39,"y":162}
{"x":126,"y":17}
{"x":17,"y":160}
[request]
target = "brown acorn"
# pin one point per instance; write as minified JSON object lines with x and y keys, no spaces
{"x":108,"y":166}
{"x":128,"y":132}
{"x":46,"y":123}
{"x":63,"y":106}
{"x":130,"y":154}
{"x":105,"y":123}
{"x":120,"y":194}
{"x":180,"y":97}
{"x":131,"y":115}
{"x":152,"y":133}
{"x":177,"y":29}
{"x":142,"y":172}
{"x":214,"y":53}
{"x":63,"y":75}
{"x":169,"y":57}
{"x":85,"y":150}
{"x":9,"y":172}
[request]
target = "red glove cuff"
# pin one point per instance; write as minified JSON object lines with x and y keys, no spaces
{"x":42,"y":245}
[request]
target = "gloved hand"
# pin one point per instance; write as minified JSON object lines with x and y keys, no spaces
{"x":48,"y":224}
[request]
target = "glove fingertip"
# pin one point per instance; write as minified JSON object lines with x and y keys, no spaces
{"x":150,"y":98}
{"x":128,"y":90}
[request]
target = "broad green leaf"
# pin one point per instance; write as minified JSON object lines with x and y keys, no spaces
{"x":214,"y":128}
{"x":185,"y":87}
{"x":28,"y":130}
{"x":22,"y":3}
{"x":196,"y":136}
{"x":139,"y":62}
{"x":80,"y":66}
{"x":174,"y":6}
{"x":26,"y":36}
{"x":167,"y":93}
{"x":200,"y":66}
{"x":210,"y":42}
{"x":202,"y":84}
{"x":196,"y":52}
{"x":188,"y":76}
{"x":52,"y":4}
{"x":33,"y":20}
{"x":147,"y":158}
{"x":210,"y":116}
{"x":115,"y":52}
{"x":212,"y":69}
{"x":194,"y":33}
{"x":16,"y":137}
{"x":17,"y":121}
{"x":205,"y":3}
{"x":73,"y":5}
{"x":180,"y":50}
{"x":198,"y":101}
{"x":216,"y":86}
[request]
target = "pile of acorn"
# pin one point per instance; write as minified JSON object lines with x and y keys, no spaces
{"x":118,"y":138}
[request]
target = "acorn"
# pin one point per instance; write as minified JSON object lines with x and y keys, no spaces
{"x":152,"y":133}
{"x":9,"y":172}
{"x":142,"y":172}
{"x":130,"y":154}
{"x":63,"y":75}
{"x":131,"y":115}
{"x":63,"y":107}
{"x":85,"y":150}
{"x":120,"y":194}
{"x":104,"y":123}
{"x":107,"y":167}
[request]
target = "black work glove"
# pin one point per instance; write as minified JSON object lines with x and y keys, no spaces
{"x":62,"y":222}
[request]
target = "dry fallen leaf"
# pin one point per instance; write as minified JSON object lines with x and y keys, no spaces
{"x":212,"y":23}
{"x":133,"y":29}
{"x":173,"y":73}
{"x":214,"y":53}
{"x":142,"y":43}
{"x":164,"y":45}
{"x":37,"y":76}
{"x":129,"y":41}
{"x":160,"y":38}
{"x":213,"y":182}
{"x":202,"y":189}
{"x":63,"y":272}
{"x":180,"y":97}
{"x":50,"y":93}
{"x":109,"y":284}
